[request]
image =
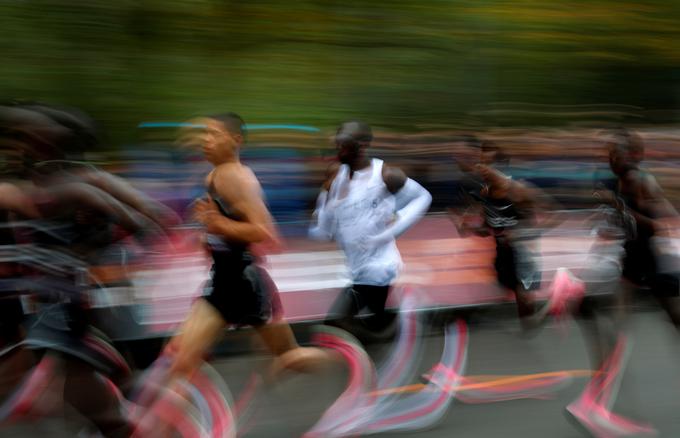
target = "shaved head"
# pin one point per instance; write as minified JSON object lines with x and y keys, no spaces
{"x":355,"y":130}
{"x":351,"y":140}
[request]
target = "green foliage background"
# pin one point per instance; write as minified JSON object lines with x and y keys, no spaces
{"x":404,"y":65}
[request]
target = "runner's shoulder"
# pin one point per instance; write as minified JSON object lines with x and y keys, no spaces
{"x":394,"y":178}
{"x":232,"y":181}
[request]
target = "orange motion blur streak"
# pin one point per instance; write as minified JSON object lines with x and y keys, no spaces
{"x":494,"y":381}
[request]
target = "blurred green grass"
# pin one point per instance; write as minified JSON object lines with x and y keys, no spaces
{"x":402,"y":65}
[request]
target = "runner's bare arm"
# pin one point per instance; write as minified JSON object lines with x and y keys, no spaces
{"x":125,"y":193}
{"x":243,"y":193}
{"x":469,"y":221}
{"x":650,"y":198}
{"x":81,"y":195}
{"x":654,"y":200}
{"x":12,"y":198}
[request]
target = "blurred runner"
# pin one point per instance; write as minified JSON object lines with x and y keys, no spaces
{"x":64,"y":235}
{"x":632,"y":240}
{"x":650,"y":258}
{"x":13,"y":203}
{"x":365,"y":205}
{"x":109,"y":250}
{"x":509,"y":211}
{"x":235,"y":217}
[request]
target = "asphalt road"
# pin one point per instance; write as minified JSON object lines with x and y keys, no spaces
{"x":649,"y":391}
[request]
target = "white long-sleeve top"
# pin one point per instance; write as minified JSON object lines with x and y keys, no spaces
{"x":364,"y":218}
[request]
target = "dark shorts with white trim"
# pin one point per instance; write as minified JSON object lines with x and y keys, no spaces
{"x":242,"y":292}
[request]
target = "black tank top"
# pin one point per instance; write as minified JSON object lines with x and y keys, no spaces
{"x":7,"y":269}
{"x":220,"y":248}
{"x":6,"y":234}
{"x":642,"y":233}
{"x":500,"y":214}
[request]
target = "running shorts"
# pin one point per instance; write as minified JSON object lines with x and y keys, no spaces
{"x":242,"y":292}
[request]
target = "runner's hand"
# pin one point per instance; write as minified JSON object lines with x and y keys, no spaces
{"x":467,"y":223}
{"x":207,"y":213}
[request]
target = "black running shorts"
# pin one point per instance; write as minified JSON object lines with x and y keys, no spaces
{"x":240,"y":291}
{"x":640,"y":267}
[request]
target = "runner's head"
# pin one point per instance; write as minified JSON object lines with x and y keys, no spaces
{"x":492,"y":154}
{"x":469,"y":154}
{"x":223,"y":135}
{"x":351,"y":140}
{"x":626,"y":151}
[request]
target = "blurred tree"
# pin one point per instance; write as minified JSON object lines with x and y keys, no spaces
{"x":400,"y":64}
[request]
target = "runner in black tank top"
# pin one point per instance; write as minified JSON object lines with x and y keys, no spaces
{"x":61,"y":326}
{"x":640,"y":215}
{"x":639,"y":195}
{"x":234,"y":217}
{"x":508,"y":209}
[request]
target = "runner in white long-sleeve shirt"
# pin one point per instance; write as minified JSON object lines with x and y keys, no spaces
{"x":364,"y":206}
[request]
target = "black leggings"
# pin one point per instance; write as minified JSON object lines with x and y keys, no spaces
{"x":11,"y":317}
{"x":354,"y":299}
{"x":90,"y":395}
